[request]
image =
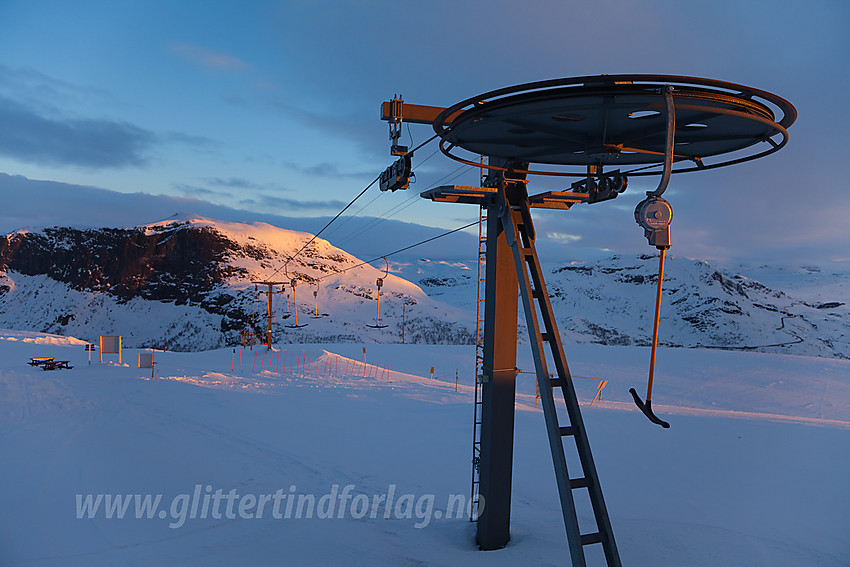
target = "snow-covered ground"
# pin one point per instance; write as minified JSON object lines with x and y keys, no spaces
{"x":752,"y":472}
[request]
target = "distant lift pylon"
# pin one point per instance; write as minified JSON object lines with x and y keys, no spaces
{"x":270,"y":312}
{"x":316,"y":314}
{"x":380,"y":284}
{"x":295,"y":325}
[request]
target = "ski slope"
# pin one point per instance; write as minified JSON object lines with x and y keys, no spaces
{"x":752,"y":472}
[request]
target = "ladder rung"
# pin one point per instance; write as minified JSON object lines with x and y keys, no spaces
{"x":589,"y":539}
{"x":554,"y":382}
{"x":579,"y":483}
{"x":545,"y":337}
{"x":568,"y":430}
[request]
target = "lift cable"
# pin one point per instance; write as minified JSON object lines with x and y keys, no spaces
{"x":376,"y":220}
{"x":415,"y":197}
{"x":342,"y":223}
{"x":382,"y":256}
{"x":339,"y":214}
{"x":326,"y":226}
{"x":398,"y":208}
{"x":366,"y":206}
{"x":431,"y":139}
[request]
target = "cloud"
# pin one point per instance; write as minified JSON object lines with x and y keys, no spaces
{"x":325,"y":169}
{"x":281,"y":203}
{"x":206,"y":58}
{"x":241,"y":183}
{"x":35,"y":110}
{"x":333,"y":120}
{"x":563,"y":237}
{"x":49,"y":93}
{"x":201,"y":142}
{"x":272,"y":202}
{"x":30,"y":136}
{"x":234,"y":183}
{"x":28,"y":202}
{"x":197,"y":191}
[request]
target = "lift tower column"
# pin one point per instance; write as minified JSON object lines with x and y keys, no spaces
{"x":498,"y":386}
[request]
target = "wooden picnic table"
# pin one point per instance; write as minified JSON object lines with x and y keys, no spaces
{"x":38,"y":361}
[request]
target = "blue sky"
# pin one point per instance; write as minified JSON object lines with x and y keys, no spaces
{"x":272,"y":107}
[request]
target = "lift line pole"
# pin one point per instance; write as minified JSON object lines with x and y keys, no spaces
{"x":270,"y":312}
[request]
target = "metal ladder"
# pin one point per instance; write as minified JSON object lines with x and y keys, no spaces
{"x":479,"y":360}
{"x":519,"y":231}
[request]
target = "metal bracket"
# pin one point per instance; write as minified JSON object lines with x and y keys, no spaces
{"x":396,"y":117}
{"x":397,"y":176}
{"x":601,"y":187}
{"x":654,"y":214}
{"x":670,"y":142}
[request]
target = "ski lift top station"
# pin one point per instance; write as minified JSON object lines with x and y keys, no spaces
{"x":601,"y":130}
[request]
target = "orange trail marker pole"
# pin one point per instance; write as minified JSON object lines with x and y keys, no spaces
{"x":598,"y":395}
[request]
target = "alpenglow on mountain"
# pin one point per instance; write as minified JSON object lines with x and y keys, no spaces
{"x":186,"y":284}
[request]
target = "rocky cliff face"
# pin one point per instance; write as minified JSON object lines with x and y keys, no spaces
{"x":166,"y":264}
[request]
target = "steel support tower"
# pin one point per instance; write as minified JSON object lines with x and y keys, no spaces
{"x":679,"y":124}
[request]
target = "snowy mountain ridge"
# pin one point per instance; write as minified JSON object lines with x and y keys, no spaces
{"x":611,"y":302}
{"x":186,"y":284}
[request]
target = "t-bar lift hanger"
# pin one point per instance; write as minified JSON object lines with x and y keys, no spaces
{"x":654,"y":214}
{"x":380,"y":284}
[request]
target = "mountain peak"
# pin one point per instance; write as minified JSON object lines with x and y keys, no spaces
{"x":186,"y":283}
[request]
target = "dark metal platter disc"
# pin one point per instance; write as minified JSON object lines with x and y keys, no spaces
{"x":615,"y":120}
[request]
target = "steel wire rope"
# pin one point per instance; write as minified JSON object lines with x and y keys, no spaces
{"x":315,"y":236}
{"x":358,"y":231}
{"x":345,"y":208}
{"x":351,"y":216}
{"x":404,"y":204}
{"x":384,"y":216}
{"x":432,"y":138}
{"x":420,"y":243}
{"x":387,"y":214}
{"x":413,"y":201}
